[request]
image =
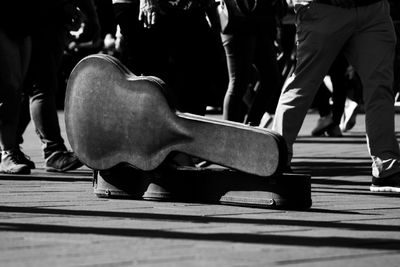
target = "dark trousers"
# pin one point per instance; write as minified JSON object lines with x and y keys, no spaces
{"x":243,"y":50}
{"x":176,"y":49}
{"x":40,"y":88}
{"x":14,"y":60}
{"x":337,"y":73}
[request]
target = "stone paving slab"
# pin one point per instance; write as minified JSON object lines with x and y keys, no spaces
{"x":52,"y":219}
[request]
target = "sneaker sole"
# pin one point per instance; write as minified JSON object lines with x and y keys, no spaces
{"x":383,"y":189}
{"x":70,"y":167}
{"x":22,"y":171}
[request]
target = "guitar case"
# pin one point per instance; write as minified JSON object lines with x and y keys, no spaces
{"x":116,"y":120}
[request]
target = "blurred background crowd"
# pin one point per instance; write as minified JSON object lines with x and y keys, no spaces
{"x":234,"y":68}
{"x":242,"y":69}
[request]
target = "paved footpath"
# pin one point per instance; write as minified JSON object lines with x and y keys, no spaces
{"x":49,"y":219}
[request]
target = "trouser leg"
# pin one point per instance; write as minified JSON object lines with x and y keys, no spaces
{"x":14,"y":58}
{"x":239,"y":50}
{"x":396,"y":83}
{"x":43,"y":82}
{"x":321,"y":101}
{"x":321,"y":32}
{"x":267,"y":96}
{"x":337,"y":73}
{"x":24,"y":118}
{"x":371,"y":52}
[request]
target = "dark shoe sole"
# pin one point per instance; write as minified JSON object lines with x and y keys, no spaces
{"x":73,"y":166}
{"x":321,"y":132}
{"x":26,"y":170}
{"x":31,"y":165}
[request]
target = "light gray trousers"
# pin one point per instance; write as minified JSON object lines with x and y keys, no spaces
{"x":366,"y":36}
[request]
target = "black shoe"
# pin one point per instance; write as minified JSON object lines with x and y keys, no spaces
{"x":386,"y":184}
{"x":323,"y":124}
{"x":25,"y":159}
{"x":334,"y":131}
{"x":349,"y":116}
{"x":62,"y":161}
{"x":287,"y":169}
{"x":12,"y":163}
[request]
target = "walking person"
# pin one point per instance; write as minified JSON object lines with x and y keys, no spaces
{"x":41,"y":85}
{"x":15,"y":52}
{"x":364,"y":31}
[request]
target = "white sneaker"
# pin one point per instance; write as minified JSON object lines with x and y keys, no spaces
{"x":266,"y":120}
{"x":349,"y":116}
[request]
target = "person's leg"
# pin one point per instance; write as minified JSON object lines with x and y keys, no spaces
{"x":338,"y":78}
{"x":322,"y":30}
{"x":287,"y":60}
{"x":371,"y":52}
{"x":353,"y":100}
{"x":42,"y":87}
{"x":14,"y":59}
{"x":187,"y":35}
{"x":239,"y":48}
{"x":331,"y":114}
{"x":23,"y":122}
{"x":47,"y":48}
{"x":24,"y":118}
{"x":321,"y":101}
{"x":396,"y":83}
{"x":266,"y":97}
{"x":322,"y":104}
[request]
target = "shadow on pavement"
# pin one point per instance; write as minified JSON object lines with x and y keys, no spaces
{"x":44,"y":178}
{"x":205,"y":219}
{"x":335,"y":167}
{"x":252,"y":238}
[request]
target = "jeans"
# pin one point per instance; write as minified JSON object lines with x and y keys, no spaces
{"x":41,"y":86}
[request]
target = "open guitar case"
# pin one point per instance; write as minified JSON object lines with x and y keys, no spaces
{"x":170,"y":182}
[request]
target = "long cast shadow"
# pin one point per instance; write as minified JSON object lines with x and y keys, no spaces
{"x":322,"y":181}
{"x":76,"y":176}
{"x":366,"y":193}
{"x":333,"y":168}
{"x":268,"y":239}
{"x":47,"y":179}
{"x":347,"y":139}
{"x":205,"y":219}
{"x":344,"y":158}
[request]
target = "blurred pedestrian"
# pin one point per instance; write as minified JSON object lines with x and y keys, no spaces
{"x":15,"y":52}
{"x":249,"y":43}
{"x":48,"y":22}
{"x":331,"y":114}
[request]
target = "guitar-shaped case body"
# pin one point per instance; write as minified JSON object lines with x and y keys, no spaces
{"x":113,"y":116}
